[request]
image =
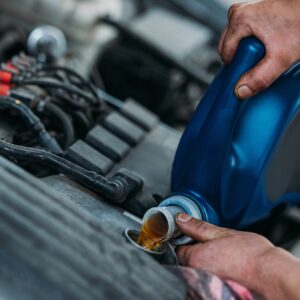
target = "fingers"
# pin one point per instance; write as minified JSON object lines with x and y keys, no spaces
{"x":232,"y":9}
{"x":230,"y":12}
{"x":243,"y":21}
{"x":192,"y":256}
{"x":199,"y":230}
{"x":220,"y":45}
{"x":236,"y":30}
{"x":199,"y":256}
{"x":260,"y":77}
{"x":184,"y":254}
{"x":235,"y":33}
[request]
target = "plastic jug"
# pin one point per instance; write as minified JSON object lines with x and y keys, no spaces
{"x":237,"y":160}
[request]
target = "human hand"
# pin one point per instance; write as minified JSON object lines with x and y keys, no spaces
{"x":244,"y":257}
{"x":277,"y":24}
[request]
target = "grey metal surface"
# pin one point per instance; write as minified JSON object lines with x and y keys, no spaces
{"x":53,"y":249}
{"x":151,"y":159}
{"x":107,"y":214}
{"x":173,"y":34}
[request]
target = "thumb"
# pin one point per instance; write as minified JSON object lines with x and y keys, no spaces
{"x":200,"y":230}
{"x":260,"y":77}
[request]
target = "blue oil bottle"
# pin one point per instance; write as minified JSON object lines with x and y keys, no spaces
{"x":237,"y":160}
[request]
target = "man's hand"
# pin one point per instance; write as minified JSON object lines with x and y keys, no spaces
{"x":227,"y":253}
{"x":277,"y":24}
{"x":244,"y":257}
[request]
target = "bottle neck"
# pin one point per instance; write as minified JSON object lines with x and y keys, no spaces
{"x":172,"y":206}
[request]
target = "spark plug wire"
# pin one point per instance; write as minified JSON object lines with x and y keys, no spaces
{"x":33,"y":122}
{"x":116,"y":189}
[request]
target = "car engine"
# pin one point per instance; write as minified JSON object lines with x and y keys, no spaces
{"x":94,"y":95}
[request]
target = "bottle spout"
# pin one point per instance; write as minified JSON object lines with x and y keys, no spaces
{"x":167,"y":211}
{"x":168,"y":215}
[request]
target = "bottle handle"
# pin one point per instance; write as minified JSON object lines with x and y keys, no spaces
{"x":249,"y":53}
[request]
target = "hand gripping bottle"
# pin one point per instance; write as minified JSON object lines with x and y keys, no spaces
{"x":237,"y":160}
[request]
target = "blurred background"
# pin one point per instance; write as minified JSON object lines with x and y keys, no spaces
{"x":162,"y":53}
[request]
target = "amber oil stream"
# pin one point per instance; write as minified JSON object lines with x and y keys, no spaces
{"x":153,"y":231}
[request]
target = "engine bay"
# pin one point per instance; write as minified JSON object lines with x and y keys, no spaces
{"x":94,"y":96}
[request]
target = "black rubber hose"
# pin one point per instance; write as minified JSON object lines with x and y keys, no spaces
{"x":69,"y":101}
{"x":57,"y":85}
{"x":65,"y":123}
{"x":74,"y":74}
{"x":33,"y":122}
{"x":116,"y":189}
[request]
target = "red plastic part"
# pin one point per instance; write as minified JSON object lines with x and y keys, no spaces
{"x":5,"y":77}
{"x":11,"y":66}
{"x":4,"y":89}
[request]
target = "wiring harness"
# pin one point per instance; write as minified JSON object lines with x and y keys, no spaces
{"x":116,"y":189}
{"x":70,"y":101}
{"x":65,"y":102}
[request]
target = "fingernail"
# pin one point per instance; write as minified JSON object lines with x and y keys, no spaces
{"x":183,"y":218}
{"x":244,"y":91}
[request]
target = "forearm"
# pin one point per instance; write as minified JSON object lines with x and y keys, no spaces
{"x":277,"y":276}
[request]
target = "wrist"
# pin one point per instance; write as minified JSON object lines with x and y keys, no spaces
{"x":277,"y":274}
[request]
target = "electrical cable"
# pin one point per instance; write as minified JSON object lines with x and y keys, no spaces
{"x":83,"y":121}
{"x":64,"y":99}
{"x":56,"y":85}
{"x":75,"y":74}
{"x":33,"y":122}
{"x":99,"y":93}
{"x":97,"y":79}
{"x":64,"y":122}
{"x":116,"y":189}
{"x":110,"y":99}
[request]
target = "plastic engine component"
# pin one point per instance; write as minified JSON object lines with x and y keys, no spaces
{"x":85,"y":155}
{"x":109,"y":144}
